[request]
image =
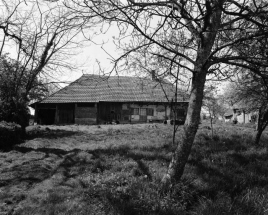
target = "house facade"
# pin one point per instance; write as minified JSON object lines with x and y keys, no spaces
{"x":94,"y":99}
{"x":239,"y":115}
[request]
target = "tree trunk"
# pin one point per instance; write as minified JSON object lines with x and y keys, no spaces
{"x":258,"y":120}
{"x":205,"y":41}
{"x":175,"y":109}
{"x":211,"y":123}
{"x":182,"y":152}
{"x":258,"y":136}
{"x":258,"y":128}
{"x":262,"y":123}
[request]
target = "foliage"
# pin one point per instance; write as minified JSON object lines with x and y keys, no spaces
{"x":10,"y":135}
{"x":15,"y":93}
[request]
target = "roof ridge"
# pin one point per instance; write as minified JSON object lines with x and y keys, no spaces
{"x":106,"y":77}
{"x":113,"y":76}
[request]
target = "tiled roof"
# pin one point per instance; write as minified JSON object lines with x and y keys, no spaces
{"x":229,"y":112}
{"x":94,"y":88}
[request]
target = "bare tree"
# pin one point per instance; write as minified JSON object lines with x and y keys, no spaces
{"x":43,"y":34}
{"x":40,"y":37}
{"x":202,"y":33}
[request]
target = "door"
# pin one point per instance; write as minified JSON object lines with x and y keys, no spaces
{"x":66,"y":114}
{"x":143,"y":115}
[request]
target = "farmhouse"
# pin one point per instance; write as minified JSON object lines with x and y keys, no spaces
{"x":94,"y":99}
{"x":239,"y":115}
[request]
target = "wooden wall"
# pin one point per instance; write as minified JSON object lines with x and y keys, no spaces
{"x":113,"y":111}
{"x":86,"y":113}
{"x":64,"y":114}
{"x":135,"y":112}
{"x":105,"y":112}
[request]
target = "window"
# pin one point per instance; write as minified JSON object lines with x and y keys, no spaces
{"x":143,"y":112}
{"x":134,"y":111}
{"x":124,"y":107}
{"x":150,"y":111}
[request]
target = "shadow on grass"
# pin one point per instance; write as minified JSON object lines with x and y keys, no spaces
{"x":229,"y":171}
{"x":33,"y":171}
{"x":29,"y":173}
{"x":49,"y":134}
{"x":59,"y":152}
{"x":148,"y":153}
{"x":94,"y":158}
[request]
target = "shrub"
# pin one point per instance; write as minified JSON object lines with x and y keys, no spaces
{"x":16,"y":111}
{"x":10,"y":135}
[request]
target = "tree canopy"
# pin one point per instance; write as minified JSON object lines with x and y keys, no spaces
{"x":14,"y":94}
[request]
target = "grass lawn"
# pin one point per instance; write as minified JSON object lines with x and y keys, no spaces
{"x":117,"y":169}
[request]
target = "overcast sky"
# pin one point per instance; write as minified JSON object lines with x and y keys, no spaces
{"x":95,"y":51}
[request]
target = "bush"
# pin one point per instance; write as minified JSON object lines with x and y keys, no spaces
{"x":16,"y":111}
{"x":10,"y":135}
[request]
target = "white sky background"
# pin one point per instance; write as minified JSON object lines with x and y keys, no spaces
{"x":87,"y":58}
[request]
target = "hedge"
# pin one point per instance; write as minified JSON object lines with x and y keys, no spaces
{"x":10,"y":135}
